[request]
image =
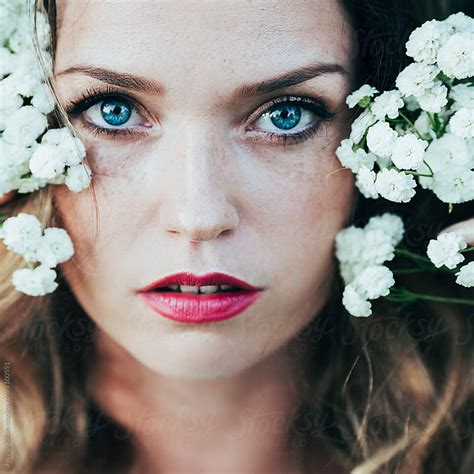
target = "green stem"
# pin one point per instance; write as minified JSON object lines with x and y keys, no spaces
{"x":422,"y":296}
{"x":407,"y":253}
{"x":432,"y":120}
{"x":412,"y":125}
{"x":429,"y":167}
{"x":403,"y":295}
{"x":467,"y":249}
{"x":414,"y":173}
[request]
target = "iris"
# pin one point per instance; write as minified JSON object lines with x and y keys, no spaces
{"x":115,"y":112}
{"x":285,"y":116}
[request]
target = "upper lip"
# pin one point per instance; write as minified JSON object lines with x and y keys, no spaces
{"x":190,"y":279}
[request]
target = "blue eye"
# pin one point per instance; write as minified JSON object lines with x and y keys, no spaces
{"x":115,"y":112}
{"x":284,"y":116}
{"x":105,"y":112}
{"x":290,"y":120}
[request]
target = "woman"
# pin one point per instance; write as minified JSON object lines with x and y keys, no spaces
{"x":211,"y":131}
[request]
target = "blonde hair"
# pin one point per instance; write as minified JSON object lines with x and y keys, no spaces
{"x":390,"y":393}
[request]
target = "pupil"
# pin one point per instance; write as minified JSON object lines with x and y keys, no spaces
{"x":286,"y":116}
{"x":115,"y":112}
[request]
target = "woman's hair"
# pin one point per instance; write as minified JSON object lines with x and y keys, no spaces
{"x":389,"y":393}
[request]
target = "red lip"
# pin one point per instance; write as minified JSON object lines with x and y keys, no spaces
{"x":190,"y":279}
{"x":199,"y":308}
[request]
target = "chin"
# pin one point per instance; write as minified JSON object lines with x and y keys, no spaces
{"x":198,"y":356}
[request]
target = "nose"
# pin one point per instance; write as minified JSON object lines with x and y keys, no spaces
{"x":200,"y":204}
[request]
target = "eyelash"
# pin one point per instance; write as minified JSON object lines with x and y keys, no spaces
{"x":93,"y":96}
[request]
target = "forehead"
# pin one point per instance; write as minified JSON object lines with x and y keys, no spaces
{"x":232,"y":40}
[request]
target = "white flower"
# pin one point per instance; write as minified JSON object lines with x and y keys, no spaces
{"x":462,"y":123}
{"x":443,"y":153}
{"x":455,"y":57}
{"x":395,"y":186}
{"x":465,"y":276}
{"x":355,"y":304}
{"x":424,"y":126}
{"x":424,"y":42}
{"x":47,"y":161}
{"x":377,"y":247}
{"x":27,"y":75}
{"x":383,"y":162}
{"x":43,"y":99}
{"x":408,"y":152}
{"x":13,"y":160}
{"x":78,"y":177}
{"x":387,"y":104}
{"x":7,"y":62}
{"x":10,"y":102}
{"x":463,"y":95}
{"x":74,"y":149}
{"x":360,"y":125}
{"x":444,"y":250}
{"x":350,"y":270}
{"x":454,"y":185}
{"x":43,"y":30}
{"x":389,"y":223}
{"x":460,"y":22}
{"x":354,"y":159}
{"x":55,"y":247}
{"x":22,"y":234}
{"x":434,"y":98}
{"x":411,"y":103}
{"x":24,"y":127}
{"x":30,"y":184}
{"x":358,"y":246}
{"x":37,"y":282}
{"x":381,"y":138}
{"x":365,"y":182}
{"x":8,"y":20}
{"x":415,"y":78}
{"x":349,"y":244}
{"x":374,"y":281}
{"x":366,"y":91}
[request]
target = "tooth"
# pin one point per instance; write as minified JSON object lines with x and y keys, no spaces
{"x":174,"y":287}
{"x":209,"y":289}
{"x":189,"y":289}
{"x":226,"y":287}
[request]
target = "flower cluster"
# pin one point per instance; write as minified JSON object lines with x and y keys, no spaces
{"x":23,"y":235}
{"x":362,"y":253}
{"x":446,"y":250}
{"x":421,"y":132}
{"x":31,"y":156}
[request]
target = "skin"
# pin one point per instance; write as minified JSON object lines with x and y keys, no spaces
{"x":198,"y":192}
{"x":194,"y":195}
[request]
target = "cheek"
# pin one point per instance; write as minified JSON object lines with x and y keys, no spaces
{"x":77,"y":214}
{"x":309,"y":204}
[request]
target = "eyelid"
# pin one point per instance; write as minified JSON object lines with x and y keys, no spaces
{"x":92,"y":96}
{"x":300,"y":100}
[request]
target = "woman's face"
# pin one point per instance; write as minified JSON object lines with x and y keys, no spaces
{"x":191,"y":174}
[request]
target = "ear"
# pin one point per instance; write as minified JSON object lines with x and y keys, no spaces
{"x":7,"y":197}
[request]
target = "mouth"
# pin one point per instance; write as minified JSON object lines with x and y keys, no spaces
{"x":198,"y":290}
{"x":194,"y":284}
{"x":189,"y":298}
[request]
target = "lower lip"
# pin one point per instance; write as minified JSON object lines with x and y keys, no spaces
{"x":195,"y":309}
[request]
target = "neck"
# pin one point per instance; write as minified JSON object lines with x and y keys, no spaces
{"x":235,"y":424}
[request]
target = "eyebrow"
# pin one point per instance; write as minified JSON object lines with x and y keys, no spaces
{"x":151,"y":86}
